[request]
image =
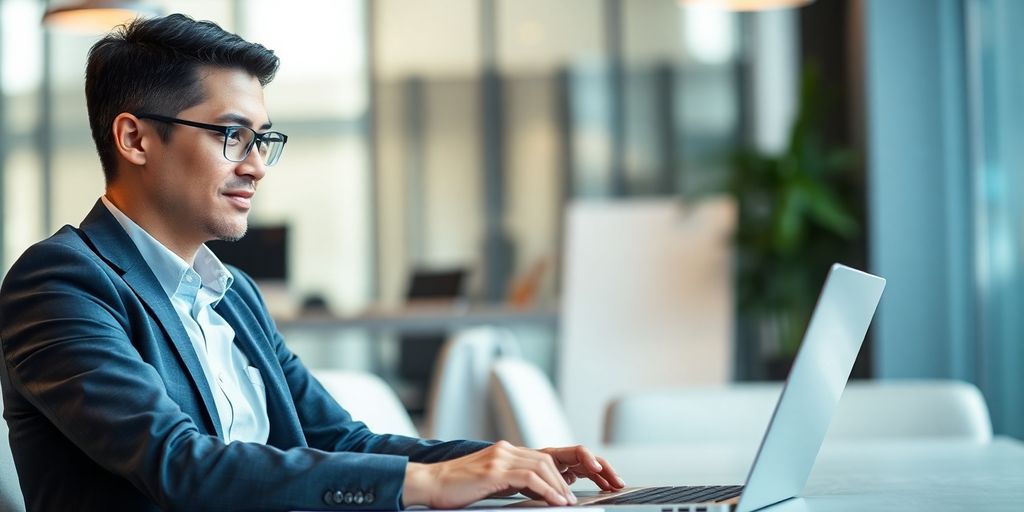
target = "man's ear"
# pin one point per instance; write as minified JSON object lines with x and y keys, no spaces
{"x":131,"y":138}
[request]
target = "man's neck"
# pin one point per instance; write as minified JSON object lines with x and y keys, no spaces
{"x":153,"y":224}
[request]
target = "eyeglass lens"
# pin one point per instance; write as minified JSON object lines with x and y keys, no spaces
{"x":240,"y":140}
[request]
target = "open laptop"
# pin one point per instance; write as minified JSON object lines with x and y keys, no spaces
{"x":802,"y":415}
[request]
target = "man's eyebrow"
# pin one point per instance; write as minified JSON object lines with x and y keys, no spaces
{"x":239,"y":119}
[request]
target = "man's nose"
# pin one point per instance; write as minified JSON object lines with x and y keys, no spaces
{"x":253,"y":164}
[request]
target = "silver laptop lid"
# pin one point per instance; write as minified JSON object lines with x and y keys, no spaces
{"x":815,"y":384}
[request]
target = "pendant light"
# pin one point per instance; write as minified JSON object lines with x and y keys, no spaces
{"x":95,"y":15}
{"x":747,"y":5}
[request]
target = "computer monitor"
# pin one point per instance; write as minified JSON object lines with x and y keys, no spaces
{"x":262,"y":253}
{"x":432,"y":285}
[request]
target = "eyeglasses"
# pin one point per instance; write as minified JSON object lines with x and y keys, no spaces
{"x":238,"y":140}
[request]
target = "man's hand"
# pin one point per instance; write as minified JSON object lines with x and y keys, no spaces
{"x":505,"y":469}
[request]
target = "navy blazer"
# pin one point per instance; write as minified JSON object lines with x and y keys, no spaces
{"x":109,"y":408}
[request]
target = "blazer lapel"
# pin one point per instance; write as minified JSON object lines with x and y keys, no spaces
{"x":114,"y":245}
{"x":285,"y":429}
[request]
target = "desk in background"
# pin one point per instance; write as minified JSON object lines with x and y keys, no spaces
{"x":368,"y":341}
{"x":354,"y":342}
{"x":413,"y":320}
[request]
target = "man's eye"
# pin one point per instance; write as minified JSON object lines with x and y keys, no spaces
{"x":233,"y":137}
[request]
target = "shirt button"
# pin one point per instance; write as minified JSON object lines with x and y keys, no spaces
{"x":188,"y":278}
{"x":329,"y":497}
{"x":338,"y":497}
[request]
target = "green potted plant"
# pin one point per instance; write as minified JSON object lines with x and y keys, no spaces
{"x":796,"y":218}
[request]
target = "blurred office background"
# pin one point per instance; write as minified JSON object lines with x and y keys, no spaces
{"x":449,"y":137}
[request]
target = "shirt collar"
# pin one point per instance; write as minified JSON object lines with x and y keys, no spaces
{"x":171,"y":271}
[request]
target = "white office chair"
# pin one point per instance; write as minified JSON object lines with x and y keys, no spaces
{"x":739,"y":413}
{"x":526,"y":408}
{"x":11,"y":499}
{"x":736,"y":413}
{"x":368,"y":399}
{"x":457,"y":405}
{"x":913,"y":408}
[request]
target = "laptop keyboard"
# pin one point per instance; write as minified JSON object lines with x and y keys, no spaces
{"x":668,"y":495}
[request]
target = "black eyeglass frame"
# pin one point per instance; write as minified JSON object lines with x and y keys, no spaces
{"x":258,"y":138}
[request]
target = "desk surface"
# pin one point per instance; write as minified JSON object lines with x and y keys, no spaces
{"x":904,"y":475}
{"x":421,"y":319}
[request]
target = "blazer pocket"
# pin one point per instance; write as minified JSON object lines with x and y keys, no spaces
{"x":257,"y":383}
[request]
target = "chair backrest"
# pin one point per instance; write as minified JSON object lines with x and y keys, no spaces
{"x":526,"y":408}
{"x":368,"y":399}
{"x":458,"y":406}
{"x":731,"y":414}
{"x":646,"y":301}
{"x":903,"y":409}
{"x":11,"y":499}
{"x":739,"y":413}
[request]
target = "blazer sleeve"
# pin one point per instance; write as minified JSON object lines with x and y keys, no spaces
{"x":68,"y":350}
{"x":328,"y":426}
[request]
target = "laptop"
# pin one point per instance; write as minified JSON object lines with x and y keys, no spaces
{"x":801,"y":418}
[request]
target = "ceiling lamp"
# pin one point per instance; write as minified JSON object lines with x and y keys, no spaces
{"x":747,"y":5}
{"x":95,"y":15}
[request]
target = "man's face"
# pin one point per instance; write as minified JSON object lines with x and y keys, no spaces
{"x":197,"y":193}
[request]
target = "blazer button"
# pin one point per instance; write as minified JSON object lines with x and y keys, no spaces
{"x":368,"y":497}
{"x":348,"y":497}
{"x":359,"y":498}
{"x":329,"y":497}
{"x":338,"y":497}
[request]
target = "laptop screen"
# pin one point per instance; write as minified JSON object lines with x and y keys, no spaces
{"x":815,"y":384}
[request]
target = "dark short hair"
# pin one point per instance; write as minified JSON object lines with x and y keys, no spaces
{"x":153,"y":65}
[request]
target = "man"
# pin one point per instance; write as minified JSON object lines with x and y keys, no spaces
{"x":141,"y":373}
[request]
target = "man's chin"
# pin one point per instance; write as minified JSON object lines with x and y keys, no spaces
{"x":232,"y":233}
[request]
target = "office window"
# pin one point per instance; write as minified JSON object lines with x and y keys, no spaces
{"x":322,"y":188}
{"x":21,"y":74}
{"x":428,"y":138}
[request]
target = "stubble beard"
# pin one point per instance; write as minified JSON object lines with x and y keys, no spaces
{"x":230,"y":232}
{"x":232,"y":237}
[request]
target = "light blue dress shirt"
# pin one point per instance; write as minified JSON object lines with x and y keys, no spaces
{"x":238,"y":388}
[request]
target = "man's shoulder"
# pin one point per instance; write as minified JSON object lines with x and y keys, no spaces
{"x":67,"y":243}
{"x":52,"y":271}
{"x":66,"y":250}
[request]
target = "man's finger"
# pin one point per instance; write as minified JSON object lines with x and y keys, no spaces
{"x":601,"y":482}
{"x":529,"y":480}
{"x":610,"y":475}
{"x":540,"y":464}
{"x":564,"y":454}
{"x":607,"y":479}
{"x":588,"y":459}
{"x":579,"y":461}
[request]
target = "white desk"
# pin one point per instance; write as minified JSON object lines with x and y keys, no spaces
{"x":420,"y":319}
{"x":904,"y":475}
